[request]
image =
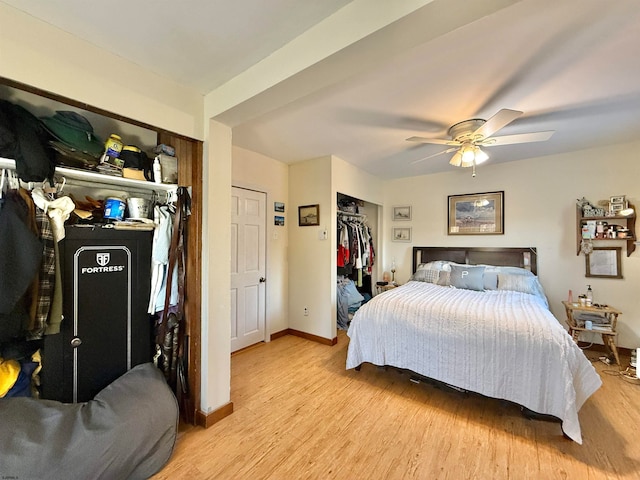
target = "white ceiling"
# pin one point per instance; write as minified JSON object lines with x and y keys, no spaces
{"x":572,"y":66}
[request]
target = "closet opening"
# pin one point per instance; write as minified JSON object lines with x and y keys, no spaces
{"x":356,"y":255}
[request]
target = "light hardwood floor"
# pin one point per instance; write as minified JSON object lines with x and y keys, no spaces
{"x":298,"y":414}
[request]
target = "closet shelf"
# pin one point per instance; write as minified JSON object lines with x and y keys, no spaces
{"x":99,"y":178}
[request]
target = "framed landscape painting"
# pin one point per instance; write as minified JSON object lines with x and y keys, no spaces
{"x":476,"y":214}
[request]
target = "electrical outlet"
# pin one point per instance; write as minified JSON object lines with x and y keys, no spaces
{"x":306,"y":312}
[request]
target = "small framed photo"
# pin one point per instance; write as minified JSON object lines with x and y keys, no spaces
{"x":278,"y":220}
{"x":401,"y":234}
{"x":617,"y":199}
{"x":402,"y":213}
{"x":308,"y":215}
{"x":616,"y":208}
{"x":278,"y":206}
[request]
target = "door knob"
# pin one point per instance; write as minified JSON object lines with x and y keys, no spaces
{"x":76,"y":342}
{"x":262,"y":279}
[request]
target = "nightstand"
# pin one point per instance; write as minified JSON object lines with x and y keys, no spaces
{"x":383,"y":288}
{"x":607,"y":331}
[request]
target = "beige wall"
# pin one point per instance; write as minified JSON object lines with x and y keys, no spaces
{"x":257,"y":172}
{"x":540,"y":198}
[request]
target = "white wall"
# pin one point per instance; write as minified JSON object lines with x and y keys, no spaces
{"x":258,"y":172}
{"x":309,"y":256}
{"x":38,"y":54}
{"x":540,"y":198}
{"x":216,"y":270}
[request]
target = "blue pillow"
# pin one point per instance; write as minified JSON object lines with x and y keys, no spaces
{"x":468,"y":277}
{"x":490,"y":280}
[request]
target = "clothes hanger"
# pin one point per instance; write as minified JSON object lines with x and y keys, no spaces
{"x":14,"y":181}
{"x":4,"y":172}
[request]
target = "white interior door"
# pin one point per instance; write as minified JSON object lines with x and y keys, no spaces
{"x":248,"y":246}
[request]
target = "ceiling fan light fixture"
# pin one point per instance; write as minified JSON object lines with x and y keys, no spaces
{"x":456,"y":160}
{"x":467,"y":163}
{"x":468,"y":154}
{"x":480,"y":155}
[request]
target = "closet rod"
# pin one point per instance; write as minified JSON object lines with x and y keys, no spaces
{"x":349,"y":214}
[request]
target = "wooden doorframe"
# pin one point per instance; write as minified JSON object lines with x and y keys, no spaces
{"x":190,"y":173}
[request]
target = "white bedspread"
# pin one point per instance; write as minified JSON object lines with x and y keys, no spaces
{"x":498,"y":343}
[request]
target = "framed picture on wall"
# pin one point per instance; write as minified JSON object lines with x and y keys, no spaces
{"x":604,"y":262}
{"x":402,"y":213}
{"x":308,"y":215}
{"x":401,"y":234}
{"x":476,"y":214}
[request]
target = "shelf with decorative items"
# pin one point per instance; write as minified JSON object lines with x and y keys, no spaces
{"x":614,"y":223}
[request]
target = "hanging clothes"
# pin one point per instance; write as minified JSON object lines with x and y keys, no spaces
{"x":163,"y":218}
{"x":20,"y":260}
{"x":355,"y":251}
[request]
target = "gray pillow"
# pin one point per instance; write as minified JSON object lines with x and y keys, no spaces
{"x":429,"y":276}
{"x":468,"y":277}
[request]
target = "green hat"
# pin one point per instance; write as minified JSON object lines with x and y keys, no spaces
{"x":75,"y":131}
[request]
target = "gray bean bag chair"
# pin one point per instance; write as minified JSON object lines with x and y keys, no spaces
{"x":128,"y":431}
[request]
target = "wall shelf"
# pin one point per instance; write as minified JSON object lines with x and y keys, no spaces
{"x":630,"y":221}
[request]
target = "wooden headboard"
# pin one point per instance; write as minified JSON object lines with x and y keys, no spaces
{"x":526,"y":257}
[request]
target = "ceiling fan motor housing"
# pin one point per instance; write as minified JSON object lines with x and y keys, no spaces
{"x":463,"y":131}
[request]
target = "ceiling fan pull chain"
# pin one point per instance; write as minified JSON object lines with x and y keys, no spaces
{"x":473,"y":171}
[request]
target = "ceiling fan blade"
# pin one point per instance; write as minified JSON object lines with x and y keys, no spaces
{"x":436,"y":141}
{"x":518,"y":138}
{"x":495,"y":123}
{"x":448,"y":150}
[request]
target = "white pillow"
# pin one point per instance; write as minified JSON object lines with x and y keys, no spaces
{"x":438,"y":265}
{"x":518,"y":283}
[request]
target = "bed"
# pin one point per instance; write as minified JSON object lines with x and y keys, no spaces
{"x":480,"y":323}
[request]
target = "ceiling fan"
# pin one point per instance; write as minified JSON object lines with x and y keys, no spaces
{"x":469,"y":135}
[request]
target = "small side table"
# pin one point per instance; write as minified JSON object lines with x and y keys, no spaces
{"x":383,"y":288}
{"x":609,"y":337}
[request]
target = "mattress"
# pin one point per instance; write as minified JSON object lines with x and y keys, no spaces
{"x":499,"y":343}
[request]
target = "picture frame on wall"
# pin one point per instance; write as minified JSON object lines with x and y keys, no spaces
{"x":308,"y":215}
{"x":278,"y":206}
{"x":476,"y":214}
{"x":604,"y":262}
{"x":401,"y":234}
{"x":402,"y":213}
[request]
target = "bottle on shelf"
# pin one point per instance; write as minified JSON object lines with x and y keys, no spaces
{"x":157,"y":171}
{"x":589,"y":295}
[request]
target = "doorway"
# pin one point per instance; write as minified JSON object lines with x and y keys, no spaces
{"x":248,"y":267}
